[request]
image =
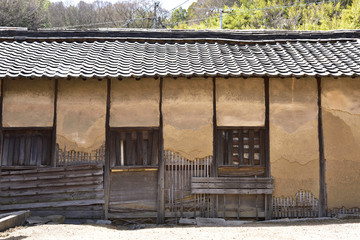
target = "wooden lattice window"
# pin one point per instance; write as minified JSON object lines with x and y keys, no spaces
{"x":241,"y":146}
{"x":134,"y":147}
{"x":26,"y":147}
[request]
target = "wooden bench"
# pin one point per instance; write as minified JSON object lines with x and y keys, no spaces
{"x":228,"y":185}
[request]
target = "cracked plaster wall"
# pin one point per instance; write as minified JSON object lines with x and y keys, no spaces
{"x":294,"y":152}
{"x":341,"y":124}
{"x":135,"y":103}
{"x":81,"y":113}
{"x":187,"y":108}
{"x":240,"y":102}
{"x":28,"y":103}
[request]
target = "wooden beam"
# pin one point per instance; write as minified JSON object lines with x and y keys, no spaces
{"x":267,"y":128}
{"x":269,"y":203}
{"x":107,"y":153}
{"x":213,"y":172}
{"x":161,"y":173}
{"x":53,"y":136}
{"x":322,"y":193}
{"x":1,"y":122}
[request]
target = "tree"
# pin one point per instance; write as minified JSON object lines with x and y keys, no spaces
{"x":32,"y":14}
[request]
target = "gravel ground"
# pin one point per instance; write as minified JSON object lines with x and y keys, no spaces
{"x":330,"y":229}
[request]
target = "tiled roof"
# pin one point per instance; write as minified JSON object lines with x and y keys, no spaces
{"x":141,"y":59}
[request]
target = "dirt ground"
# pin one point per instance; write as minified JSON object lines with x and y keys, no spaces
{"x":330,"y":229}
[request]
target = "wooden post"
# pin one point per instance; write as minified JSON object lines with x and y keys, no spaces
{"x":161,"y":176}
{"x":269,"y":197}
{"x":1,"y":122}
{"x":53,"y":136}
{"x":322,"y":193}
{"x":107,"y":153}
{"x":213,"y":172}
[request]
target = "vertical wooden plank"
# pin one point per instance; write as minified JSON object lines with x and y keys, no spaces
{"x":251,"y":147}
{"x":156,"y":145}
{"x":149,"y":148}
{"x":33,"y":151}
{"x":214,"y":163}
{"x":182,"y":187}
{"x":229,"y":146}
{"x":224,"y":206}
{"x":269,"y":211}
{"x":128,"y":143}
{"x":322,"y":177}
{"x":28,"y":150}
{"x":262,"y":147}
{"x":46,"y":147}
{"x":5,"y":152}
{"x":161,"y":172}
{"x":16,"y":149}
{"x":113,"y":151}
{"x":139,"y":148}
{"x":53,"y":134}
{"x":238,"y":208}
{"x":22,"y":150}
{"x":39,"y":147}
{"x":257,"y":207}
{"x":107,"y":153}
{"x":117,"y":151}
{"x":1,"y":124}
{"x":241,"y":147}
{"x":10,"y":159}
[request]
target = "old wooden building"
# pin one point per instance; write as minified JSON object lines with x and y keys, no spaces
{"x":168,"y":124}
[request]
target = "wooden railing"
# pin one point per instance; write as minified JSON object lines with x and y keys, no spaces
{"x":225,"y":185}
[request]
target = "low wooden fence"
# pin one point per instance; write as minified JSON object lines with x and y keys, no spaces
{"x":304,"y":205}
{"x":179,"y":201}
{"x":72,"y":191}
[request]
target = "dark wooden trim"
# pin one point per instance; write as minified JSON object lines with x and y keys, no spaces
{"x":27,"y":128}
{"x":53,"y":137}
{"x":322,"y":162}
{"x":161,"y":173}
{"x":126,"y":129}
{"x":267,"y":128}
{"x":107,"y":153}
{"x":239,"y":127}
{"x":214,"y":170}
{"x":269,"y":208}
{"x":1,"y":121}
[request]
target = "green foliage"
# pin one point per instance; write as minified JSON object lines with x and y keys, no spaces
{"x":24,"y":13}
{"x":279,"y":14}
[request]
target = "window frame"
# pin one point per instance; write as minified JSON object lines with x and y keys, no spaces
{"x":28,"y":138}
{"x":136,"y":136}
{"x":223,"y":148}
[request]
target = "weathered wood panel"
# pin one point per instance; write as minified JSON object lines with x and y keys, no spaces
{"x":134,"y":146}
{"x":73,"y":191}
{"x":248,"y":171}
{"x":133,"y":193}
{"x":26,"y":148}
{"x":223,"y":185}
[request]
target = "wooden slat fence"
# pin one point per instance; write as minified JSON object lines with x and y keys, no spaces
{"x":70,"y":157}
{"x":73,"y":191}
{"x":304,"y":205}
{"x":179,"y":202}
{"x":343,"y":210}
